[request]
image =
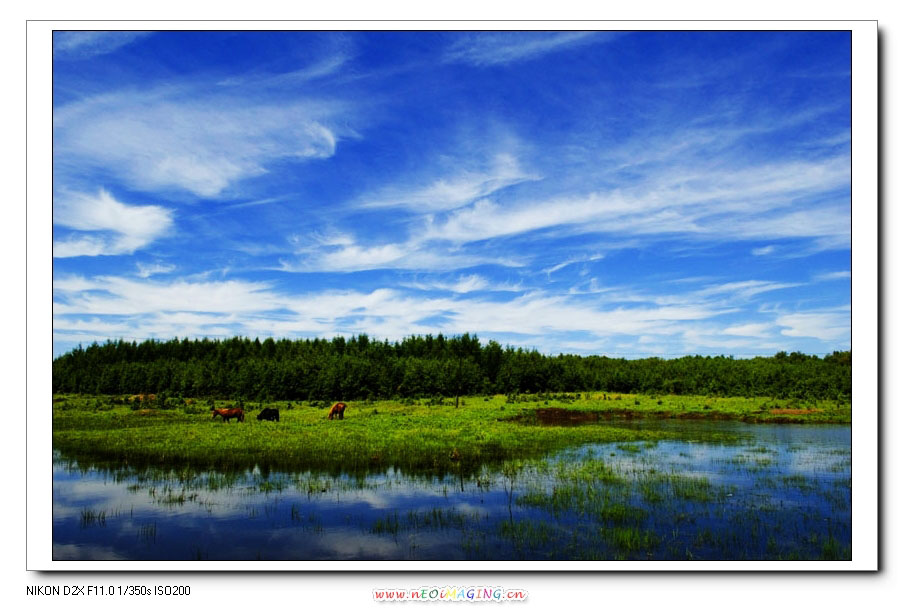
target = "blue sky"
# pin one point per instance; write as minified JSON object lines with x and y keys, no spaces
{"x":621,"y":193}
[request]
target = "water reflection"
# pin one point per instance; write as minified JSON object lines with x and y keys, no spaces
{"x":781,"y":491}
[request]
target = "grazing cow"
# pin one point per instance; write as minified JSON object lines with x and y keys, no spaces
{"x":236,"y":412}
{"x":337,"y":410}
{"x":269,"y":414}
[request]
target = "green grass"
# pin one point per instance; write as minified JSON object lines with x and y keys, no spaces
{"x":436,"y":518}
{"x":630,"y":540}
{"x":528,"y":534}
{"x":409,"y":435}
{"x":599,"y":503}
{"x":659,"y":486}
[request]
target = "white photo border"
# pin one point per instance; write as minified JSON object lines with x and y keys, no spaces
{"x":864,"y":316}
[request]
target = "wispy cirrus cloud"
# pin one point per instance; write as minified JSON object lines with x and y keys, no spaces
{"x":112,"y":306}
{"x":760,"y":202}
{"x":829,"y":276}
{"x":87,"y":44}
{"x":726,"y":295}
{"x":455,"y":190}
{"x":749,"y":329}
{"x":199,"y":141}
{"x":708,"y":339}
{"x":762,"y":251}
{"x":827,"y":325}
{"x":328,"y":65}
{"x":744,"y":289}
{"x":465,"y":283}
{"x":589,"y":258}
{"x":146,"y":270}
{"x":636,"y":320}
{"x":345,"y":253}
{"x":121,"y":296}
{"x":749,"y":203}
{"x":489,"y":49}
{"x":104,"y":225}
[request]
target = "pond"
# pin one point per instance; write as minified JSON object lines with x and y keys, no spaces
{"x":724,"y":491}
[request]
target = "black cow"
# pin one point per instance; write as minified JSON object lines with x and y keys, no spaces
{"x":269,"y":414}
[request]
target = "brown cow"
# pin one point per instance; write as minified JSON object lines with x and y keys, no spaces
{"x":236,"y":412}
{"x":337,"y":410}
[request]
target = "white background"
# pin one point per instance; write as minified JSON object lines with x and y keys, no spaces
{"x":546,"y":590}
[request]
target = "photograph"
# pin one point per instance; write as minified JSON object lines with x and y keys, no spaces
{"x":510,"y":296}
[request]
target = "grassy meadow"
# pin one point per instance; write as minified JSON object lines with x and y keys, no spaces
{"x":411,"y":435}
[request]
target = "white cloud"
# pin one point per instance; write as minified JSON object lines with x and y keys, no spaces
{"x":829,"y":225}
{"x":351,"y":257}
{"x":749,"y":330}
{"x":340,"y":252}
{"x":123,"y":228}
{"x":127,"y":296}
{"x":75,"y":284}
{"x":699,"y":202}
{"x":594,"y":257}
{"x":146,"y":270}
{"x":84,"y":45}
{"x":454,"y":191}
{"x":145,"y":308}
{"x":322,"y":67}
{"x":708,"y":340}
{"x":83,"y":247}
{"x":463,"y":284}
{"x":831,"y":325}
{"x":112,"y":307}
{"x":492,"y":48}
{"x":486,"y":219}
{"x":751,"y":203}
{"x":828,"y":276}
{"x":765,"y":250}
{"x":744,"y":289}
{"x":185,"y":140}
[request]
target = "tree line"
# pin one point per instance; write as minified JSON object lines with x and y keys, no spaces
{"x":424,"y":367}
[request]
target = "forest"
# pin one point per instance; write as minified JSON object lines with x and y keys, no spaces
{"x":427,"y":366}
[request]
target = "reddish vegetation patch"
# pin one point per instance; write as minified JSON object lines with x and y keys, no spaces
{"x":559,"y":416}
{"x":704,"y":416}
